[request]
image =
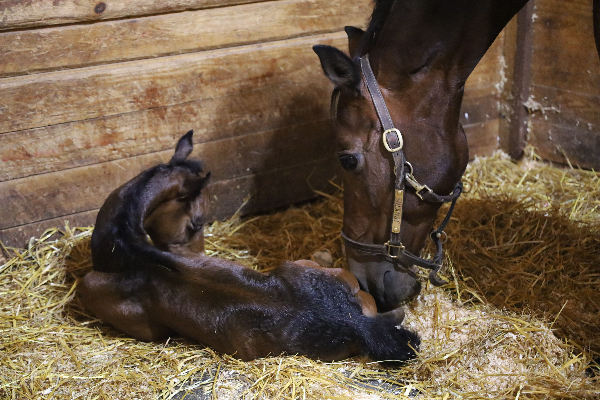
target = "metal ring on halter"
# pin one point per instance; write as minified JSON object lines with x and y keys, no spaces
{"x":400,"y":140}
{"x":442,"y":236}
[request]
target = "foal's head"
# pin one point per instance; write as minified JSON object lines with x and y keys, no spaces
{"x":164,"y":202}
{"x":175,"y":223}
{"x":421,"y":53}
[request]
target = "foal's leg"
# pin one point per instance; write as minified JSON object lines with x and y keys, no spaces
{"x":108,"y":296}
{"x":365,"y":300}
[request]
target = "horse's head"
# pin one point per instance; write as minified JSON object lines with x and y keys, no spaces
{"x":421,"y":53}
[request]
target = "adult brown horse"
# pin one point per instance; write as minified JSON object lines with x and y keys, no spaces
{"x":157,"y":287}
{"x":414,"y":58}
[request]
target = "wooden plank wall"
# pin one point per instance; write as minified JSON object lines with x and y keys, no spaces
{"x":483,"y":108}
{"x":564,"y":119}
{"x":91,"y":93}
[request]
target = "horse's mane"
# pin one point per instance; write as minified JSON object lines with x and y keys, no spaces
{"x":381,"y":10}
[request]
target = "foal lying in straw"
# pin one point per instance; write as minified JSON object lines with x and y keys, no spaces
{"x":151,"y":289}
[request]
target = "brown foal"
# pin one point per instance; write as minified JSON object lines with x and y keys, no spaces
{"x":151,"y":280}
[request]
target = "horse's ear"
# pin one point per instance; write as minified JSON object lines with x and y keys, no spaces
{"x":184,"y":147}
{"x":354,"y":37}
{"x":338,"y":67}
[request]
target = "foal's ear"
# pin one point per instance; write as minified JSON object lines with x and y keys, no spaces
{"x":354,"y":37}
{"x":184,"y":147}
{"x":197,"y":184}
{"x":338,"y":67}
{"x":205,"y":180}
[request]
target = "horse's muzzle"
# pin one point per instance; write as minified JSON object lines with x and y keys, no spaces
{"x":389,"y":285}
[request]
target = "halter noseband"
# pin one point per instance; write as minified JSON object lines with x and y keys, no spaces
{"x":393,"y":250}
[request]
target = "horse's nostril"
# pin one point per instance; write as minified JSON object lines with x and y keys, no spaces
{"x":197,"y":224}
{"x":348,"y":161}
{"x":398,"y":287}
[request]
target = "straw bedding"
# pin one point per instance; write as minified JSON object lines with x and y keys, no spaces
{"x":519,"y":319}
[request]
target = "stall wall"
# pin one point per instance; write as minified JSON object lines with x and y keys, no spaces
{"x":92,"y":93}
{"x":565,"y":84}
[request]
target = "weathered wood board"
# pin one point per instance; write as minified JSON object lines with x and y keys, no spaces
{"x":18,"y":14}
{"x":75,"y":46}
{"x":481,"y":108}
{"x":85,"y":107}
{"x":109,"y":115}
{"x":565,"y":88}
{"x":91,"y":93}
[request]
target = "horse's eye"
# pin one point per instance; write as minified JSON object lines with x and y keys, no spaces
{"x":348,"y":161}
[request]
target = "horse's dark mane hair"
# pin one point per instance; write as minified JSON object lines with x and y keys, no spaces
{"x":381,"y":10}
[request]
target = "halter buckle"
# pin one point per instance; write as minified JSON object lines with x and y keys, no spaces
{"x":416,"y":185}
{"x":386,"y":143}
{"x":389,"y":248}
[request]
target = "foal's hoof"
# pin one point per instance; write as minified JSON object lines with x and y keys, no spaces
{"x":323,"y":258}
{"x":366,"y":301}
{"x":342,"y":274}
{"x":308,"y":263}
{"x":396,"y":314}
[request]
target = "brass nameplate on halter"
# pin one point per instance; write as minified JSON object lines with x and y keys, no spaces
{"x":397,"y":217}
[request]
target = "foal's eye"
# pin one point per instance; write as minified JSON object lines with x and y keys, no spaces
{"x":348,"y":161}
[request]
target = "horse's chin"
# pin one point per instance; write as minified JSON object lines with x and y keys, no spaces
{"x":389,"y":285}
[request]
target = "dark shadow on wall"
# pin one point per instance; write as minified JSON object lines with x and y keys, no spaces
{"x":282,"y":162}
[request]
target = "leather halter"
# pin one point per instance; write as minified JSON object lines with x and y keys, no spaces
{"x":393,"y":250}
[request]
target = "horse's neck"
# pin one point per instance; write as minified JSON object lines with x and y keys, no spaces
{"x":461,"y":31}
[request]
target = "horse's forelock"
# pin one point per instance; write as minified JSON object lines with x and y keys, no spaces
{"x":381,"y":10}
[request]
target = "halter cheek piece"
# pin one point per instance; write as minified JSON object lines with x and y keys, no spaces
{"x":393,"y":250}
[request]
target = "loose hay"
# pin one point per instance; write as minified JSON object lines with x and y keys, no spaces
{"x":523,"y":264}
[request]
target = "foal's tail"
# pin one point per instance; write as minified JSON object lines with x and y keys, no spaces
{"x":384,"y":340}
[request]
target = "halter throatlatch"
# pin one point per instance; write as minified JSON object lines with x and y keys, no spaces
{"x":393,"y":250}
